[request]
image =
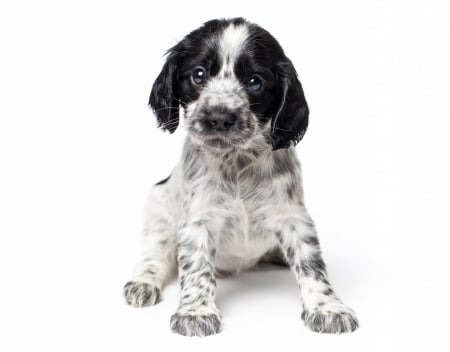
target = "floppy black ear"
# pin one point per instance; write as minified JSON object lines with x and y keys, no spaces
{"x":291,"y":119}
{"x":164,"y":97}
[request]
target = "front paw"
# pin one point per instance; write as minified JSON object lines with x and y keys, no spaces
{"x":141,"y":294}
{"x":195,"y":325}
{"x":334,"y":319}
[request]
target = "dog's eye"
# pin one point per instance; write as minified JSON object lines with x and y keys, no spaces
{"x":199,"y":75}
{"x":255,"y":83}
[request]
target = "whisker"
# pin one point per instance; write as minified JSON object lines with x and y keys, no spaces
{"x":169,"y":123}
{"x":176,"y":112}
{"x":179,"y":100}
{"x":281,"y":129}
{"x":168,"y":108}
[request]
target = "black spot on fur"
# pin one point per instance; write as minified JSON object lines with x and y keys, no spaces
{"x":278,"y":235}
{"x":290,"y":253}
{"x":206,"y":275}
{"x":290,"y":193}
{"x":187,"y":266}
{"x":311,"y":240}
{"x":314,"y":266}
{"x":328,"y":292}
{"x":163,"y":181}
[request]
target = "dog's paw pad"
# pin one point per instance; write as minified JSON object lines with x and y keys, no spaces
{"x":331,"y":321}
{"x":195,"y":325}
{"x":141,"y":294}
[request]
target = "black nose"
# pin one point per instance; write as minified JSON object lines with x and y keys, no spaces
{"x":221,"y":121}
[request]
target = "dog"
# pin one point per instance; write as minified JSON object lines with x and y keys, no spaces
{"x":235,"y":199}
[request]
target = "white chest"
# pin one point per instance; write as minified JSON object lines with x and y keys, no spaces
{"x":241,"y":239}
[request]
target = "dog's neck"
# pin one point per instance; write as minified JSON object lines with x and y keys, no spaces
{"x":254,"y":160}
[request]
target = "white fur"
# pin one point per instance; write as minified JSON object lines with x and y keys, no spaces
{"x":232,"y":43}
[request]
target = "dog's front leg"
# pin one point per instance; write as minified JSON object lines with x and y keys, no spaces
{"x":323,"y":311}
{"x":197,"y":314}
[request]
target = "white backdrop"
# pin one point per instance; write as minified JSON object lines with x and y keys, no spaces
{"x":79,"y":151}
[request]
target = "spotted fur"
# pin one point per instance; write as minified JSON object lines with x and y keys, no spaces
{"x":236,"y":196}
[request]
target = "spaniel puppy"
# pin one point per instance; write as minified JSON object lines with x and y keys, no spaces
{"x":235,"y":198}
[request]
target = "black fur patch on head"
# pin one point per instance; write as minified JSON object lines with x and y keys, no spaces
{"x":173,"y":87}
{"x":282,"y":98}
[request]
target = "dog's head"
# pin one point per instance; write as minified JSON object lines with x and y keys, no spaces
{"x":234,"y":82}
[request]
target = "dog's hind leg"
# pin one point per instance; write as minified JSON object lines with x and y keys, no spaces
{"x":158,"y":261}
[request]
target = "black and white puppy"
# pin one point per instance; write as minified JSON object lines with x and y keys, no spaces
{"x":236,"y":197}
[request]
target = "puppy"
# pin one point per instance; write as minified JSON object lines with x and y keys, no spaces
{"x":236,"y":196}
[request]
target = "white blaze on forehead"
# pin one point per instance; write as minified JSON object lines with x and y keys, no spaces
{"x":231,"y":44}
{"x":225,"y":89}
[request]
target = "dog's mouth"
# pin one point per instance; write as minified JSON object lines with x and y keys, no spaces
{"x":217,"y":143}
{"x":221,"y":140}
